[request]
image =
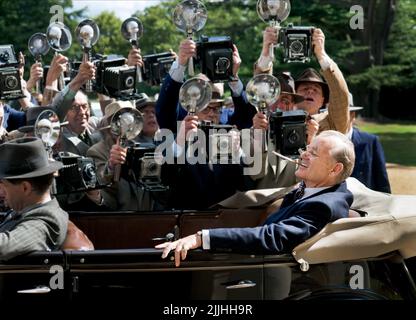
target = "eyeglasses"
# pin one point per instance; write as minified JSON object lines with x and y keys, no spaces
{"x":214,"y":110}
{"x":309,"y":150}
{"x":78,"y":107}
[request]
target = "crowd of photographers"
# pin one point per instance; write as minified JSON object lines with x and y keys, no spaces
{"x":111,"y":174}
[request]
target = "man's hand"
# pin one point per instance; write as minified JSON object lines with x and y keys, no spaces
{"x":36,"y":73}
{"x":118,"y":155}
{"x":260,"y":121}
{"x":236,"y":61}
{"x":312,"y":127}
{"x":318,"y":42}
{"x":86,"y":72}
{"x":187,"y":49}
{"x":189,"y":123}
{"x":134,"y":58}
{"x":59,"y":64}
{"x":181,"y":247}
{"x":270,"y":36}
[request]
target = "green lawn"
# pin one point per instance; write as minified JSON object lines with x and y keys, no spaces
{"x":398,"y":140}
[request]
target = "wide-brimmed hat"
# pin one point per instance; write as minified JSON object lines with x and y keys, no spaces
{"x":287,"y":86}
{"x":25,"y":158}
{"x":144,"y":101}
{"x":351,"y":106}
{"x":31,"y":116}
{"x":217,"y":93}
{"x":311,"y":75}
{"x":113,"y":107}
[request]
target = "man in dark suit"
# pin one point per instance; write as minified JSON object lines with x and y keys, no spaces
{"x":36,"y":222}
{"x":370,"y":163}
{"x":322,"y":198}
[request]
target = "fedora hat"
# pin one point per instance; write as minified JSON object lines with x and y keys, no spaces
{"x":287,"y":86}
{"x":217,"y":93}
{"x":311,"y":75}
{"x":31,"y":116}
{"x":144,"y":101}
{"x":32,"y":158}
{"x":351,"y":106}
{"x":113,"y":107}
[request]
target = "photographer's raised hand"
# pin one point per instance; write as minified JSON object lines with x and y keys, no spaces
{"x":181,"y":247}
{"x":188,"y":124}
{"x":236,"y":61}
{"x":270,"y":36}
{"x":260,"y":121}
{"x":312,"y":128}
{"x":187,"y":49}
{"x":118,"y":155}
{"x":59,"y":64}
{"x":318,"y":43}
{"x":86,"y":72}
{"x":134,"y":58}
{"x":36,"y":73}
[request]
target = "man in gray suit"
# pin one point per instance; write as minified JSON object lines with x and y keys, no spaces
{"x":36,"y":222}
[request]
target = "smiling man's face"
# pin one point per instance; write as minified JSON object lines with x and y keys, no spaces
{"x":314,"y":97}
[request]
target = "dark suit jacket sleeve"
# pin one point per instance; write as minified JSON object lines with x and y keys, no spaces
{"x":276,"y":238}
{"x":381,"y":180}
{"x":243,"y":113}
{"x":13,"y":119}
{"x":167,"y":109}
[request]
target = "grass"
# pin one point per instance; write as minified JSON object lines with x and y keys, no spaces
{"x":398,"y":140}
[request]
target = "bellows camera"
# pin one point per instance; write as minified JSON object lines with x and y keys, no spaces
{"x":156,"y":67}
{"x":10,"y":87}
{"x":114,"y":78}
{"x":297,"y":43}
{"x":142,"y":165}
{"x":77,"y":174}
{"x":215,"y":57}
{"x":220,"y":146}
{"x":288,"y":131}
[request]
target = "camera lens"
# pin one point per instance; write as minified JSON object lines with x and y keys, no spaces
{"x":129,"y":82}
{"x":4,"y":56}
{"x":223,"y":145}
{"x":222,"y":65}
{"x":11,"y":82}
{"x":293,"y":137}
{"x":296,"y":46}
{"x":88,"y":172}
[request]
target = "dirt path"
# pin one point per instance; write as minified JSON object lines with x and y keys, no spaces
{"x":402,"y":179}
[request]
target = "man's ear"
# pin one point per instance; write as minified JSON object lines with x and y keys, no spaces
{"x":26,"y":187}
{"x":337,"y":169}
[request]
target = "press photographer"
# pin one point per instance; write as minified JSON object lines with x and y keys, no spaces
{"x":124,"y":194}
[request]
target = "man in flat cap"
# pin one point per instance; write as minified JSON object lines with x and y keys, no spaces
{"x":36,"y":222}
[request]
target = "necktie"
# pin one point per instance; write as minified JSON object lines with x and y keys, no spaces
{"x":85,"y":138}
{"x":300,"y":192}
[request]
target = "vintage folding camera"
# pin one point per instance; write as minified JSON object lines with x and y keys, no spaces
{"x":297,"y":43}
{"x":288,"y":131}
{"x":215,"y":57}
{"x":142,"y":166}
{"x":10,"y":86}
{"x":114,"y":78}
{"x":156,"y":67}
{"x":77,"y":174}
{"x":219,"y":142}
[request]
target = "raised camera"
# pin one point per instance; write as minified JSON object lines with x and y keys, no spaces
{"x":297,"y":43}
{"x":156,"y":67}
{"x":77,"y":174}
{"x":288,"y":131}
{"x":10,"y":87}
{"x":215,"y":57}
{"x":142,"y":165}
{"x":220,"y":142}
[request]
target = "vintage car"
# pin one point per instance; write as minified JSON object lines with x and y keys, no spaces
{"x":124,"y":265}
